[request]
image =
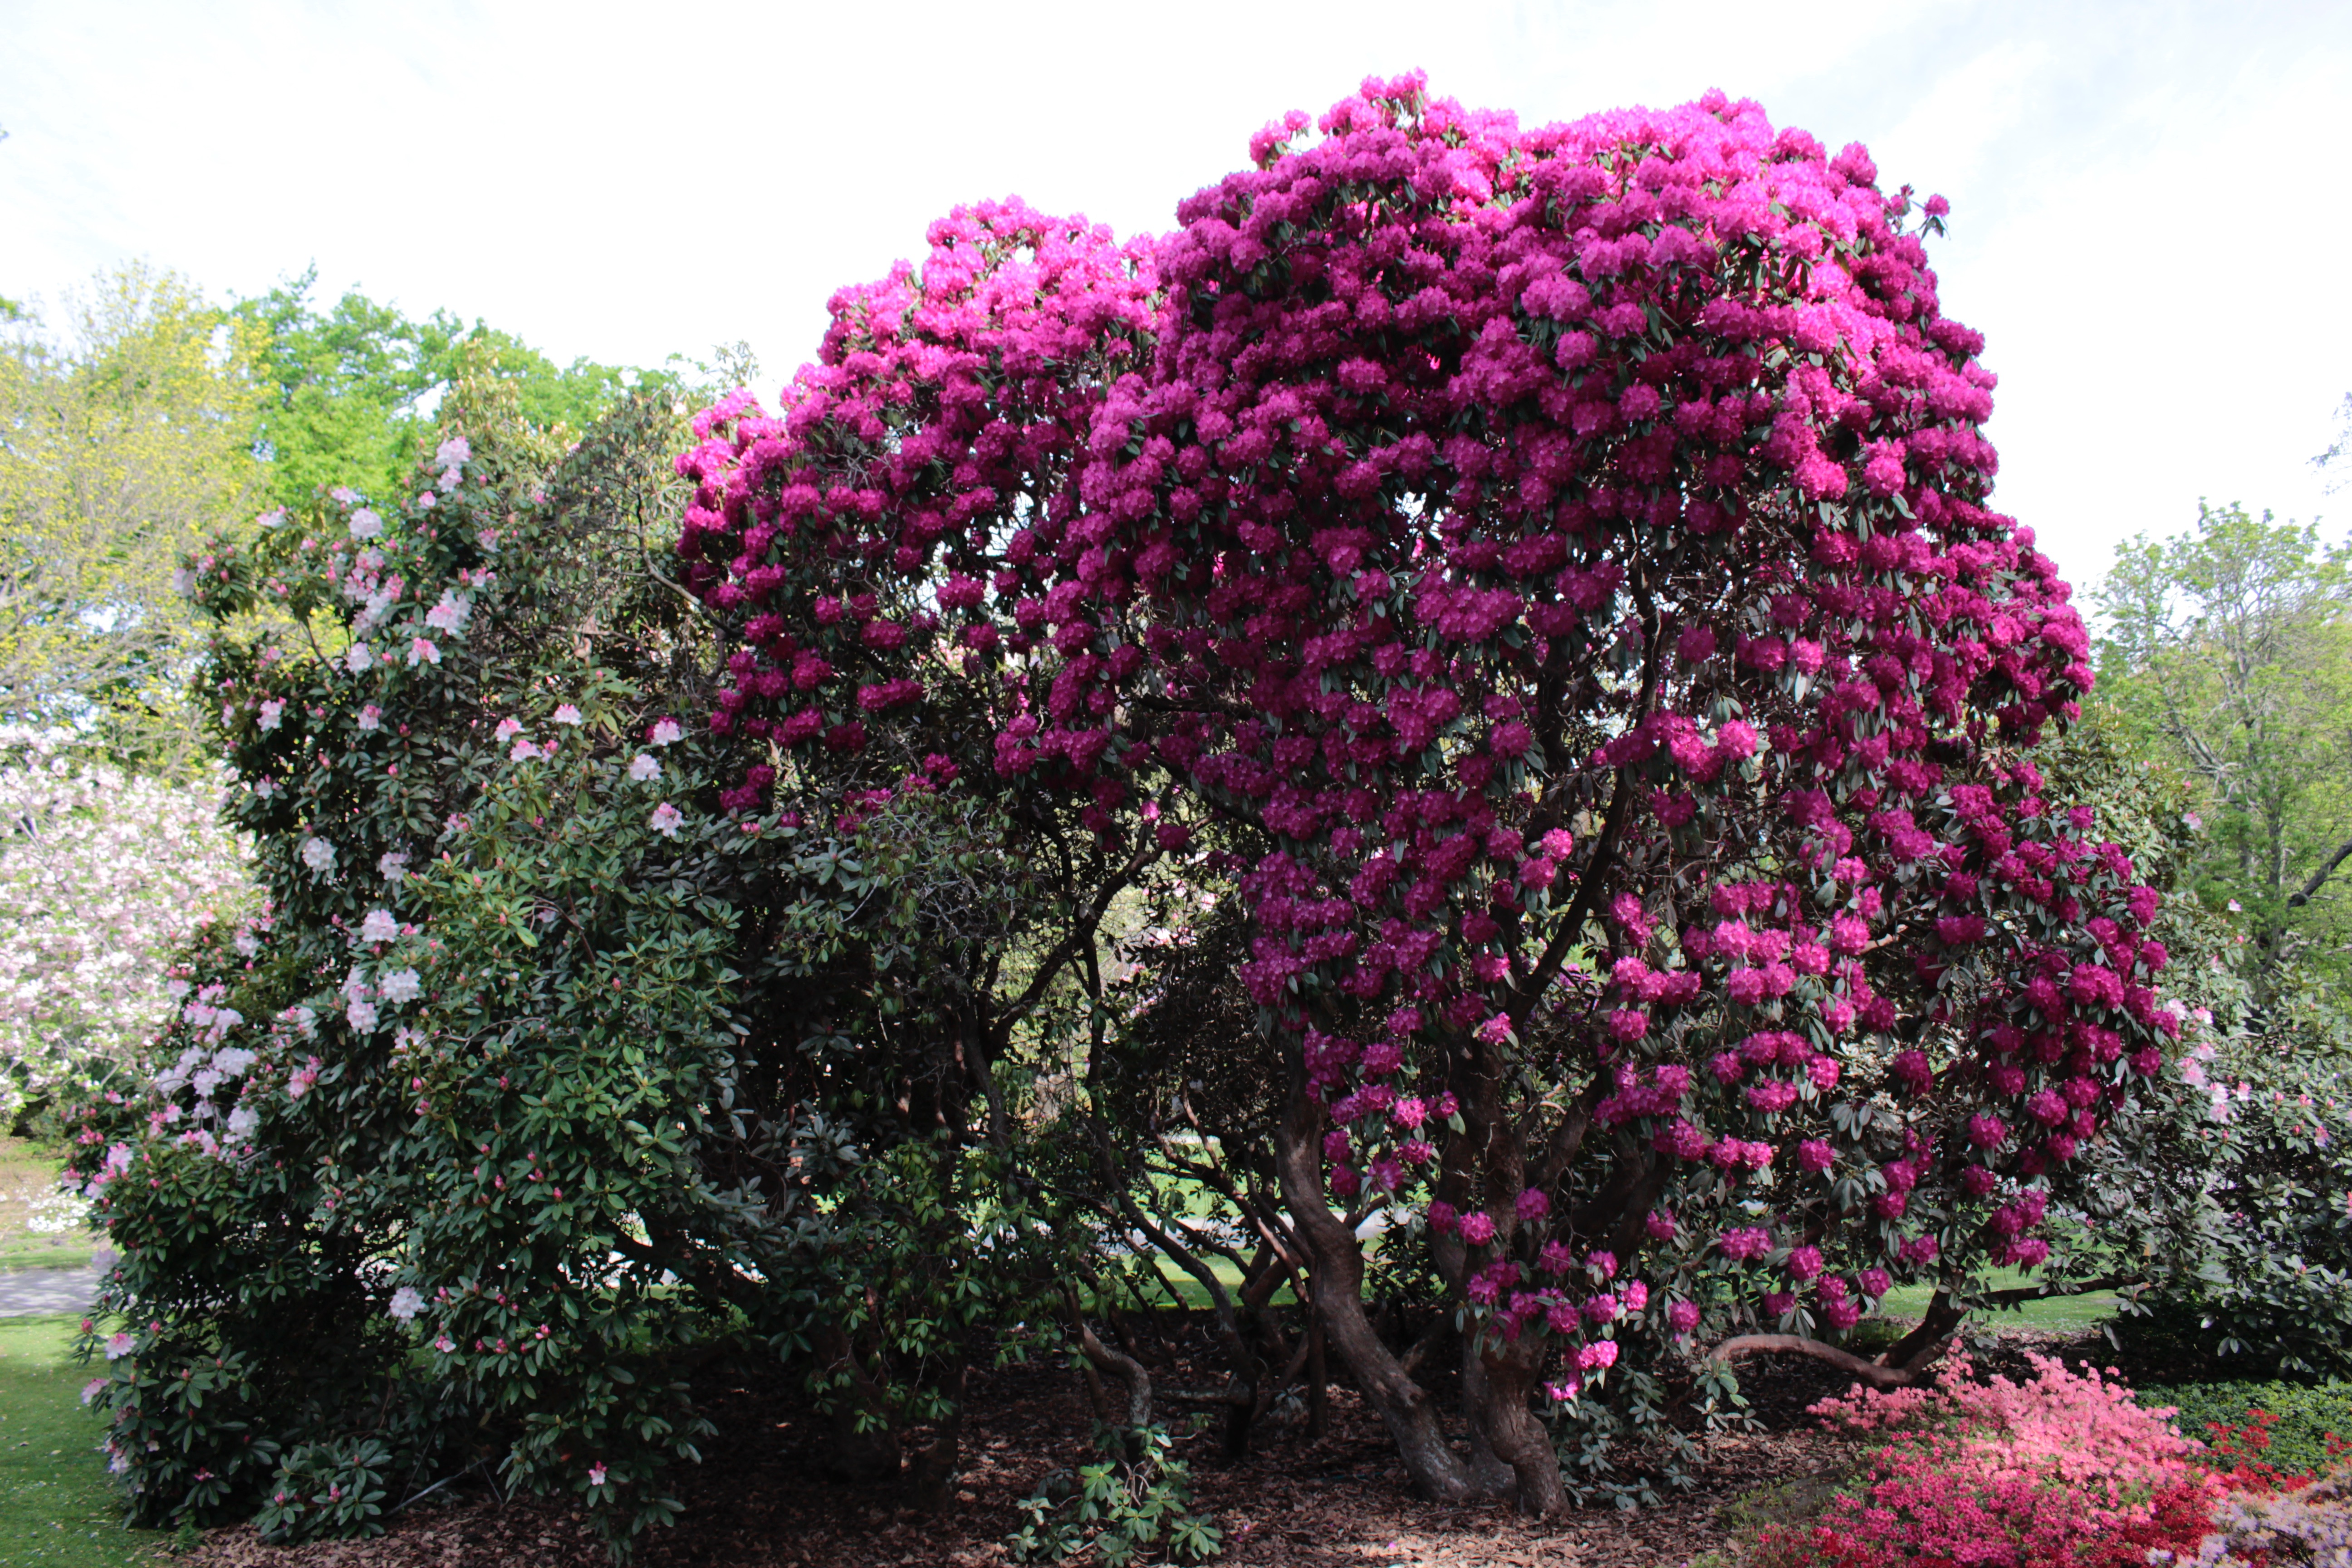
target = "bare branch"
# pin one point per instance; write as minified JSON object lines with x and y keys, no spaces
{"x":1870,"y":1372}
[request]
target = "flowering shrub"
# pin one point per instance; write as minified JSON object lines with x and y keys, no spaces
{"x":2062,"y":1468}
{"x":2259,"y":1530}
{"x":2218,"y":1199}
{"x":1550,"y":568}
{"x":538,"y":1082}
{"x":2298,"y":1423}
{"x":103,"y":875}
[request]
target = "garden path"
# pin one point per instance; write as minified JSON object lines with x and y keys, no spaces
{"x":31,"y":1292}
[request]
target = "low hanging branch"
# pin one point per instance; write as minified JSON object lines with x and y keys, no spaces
{"x":1906,"y":1364}
{"x":1128,"y":1370}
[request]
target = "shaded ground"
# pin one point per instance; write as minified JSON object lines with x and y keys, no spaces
{"x":1337,"y":1503}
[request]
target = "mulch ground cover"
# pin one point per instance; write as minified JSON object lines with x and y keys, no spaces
{"x":762,"y":1499}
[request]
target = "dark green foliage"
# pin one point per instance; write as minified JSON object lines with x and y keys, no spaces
{"x":328,"y":1489}
{"x":1135,"y":1505}
{"x":2307,"y":1415}
{"x":548,"y":1084}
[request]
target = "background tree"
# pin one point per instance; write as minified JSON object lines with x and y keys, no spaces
{"x":2228,"y":648}
{"x":352,"y":389}
{"x":104,"y":876}
{"x":127,"y":428}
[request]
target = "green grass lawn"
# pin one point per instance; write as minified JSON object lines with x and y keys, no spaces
{"x":29,"y":1203}
{"x":58,"y":1508}
{"x":2057,"y":1312}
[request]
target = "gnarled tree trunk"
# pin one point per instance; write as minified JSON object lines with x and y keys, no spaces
{"x":1435,"y":1470}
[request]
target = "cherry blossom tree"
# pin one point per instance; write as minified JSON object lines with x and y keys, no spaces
{"x":103,"y":875}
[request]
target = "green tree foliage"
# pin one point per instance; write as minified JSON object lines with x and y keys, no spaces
{"x":2217,"y":1205}
{"x":123,"y":434}
{"x":351,"y":387}
{"x":2229,"y":649}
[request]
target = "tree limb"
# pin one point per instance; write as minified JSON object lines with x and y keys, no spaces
{"x":1870,"y":1372}
{"x":2296,"y":900}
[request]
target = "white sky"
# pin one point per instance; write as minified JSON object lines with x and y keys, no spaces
{"x":2149,"y":216}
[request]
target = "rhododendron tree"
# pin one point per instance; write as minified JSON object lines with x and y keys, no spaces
{"x":541,"y":1082}
{"x":1553,"y":570}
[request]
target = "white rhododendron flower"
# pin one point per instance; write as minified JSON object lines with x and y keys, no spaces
{"x":359,"y":658}
{"x":272,"y":713}
{"x":644,"y":768}
{"x":565,"y":713}
{"x":451,"y":614}
{"x":379,"y":926}
{"x":406,"y":1303}
{"x":319,"y":855}
{"x":365,"y":525}
{"x":371,"y":717}
{"x":402,"y":985}
{"x":666,"y":730}
{"x":392,"y":865}
{"x":666,"y":820}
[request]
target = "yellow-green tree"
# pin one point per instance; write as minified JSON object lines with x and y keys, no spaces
{"x":2230,"y":649}
{"x":125,"y":433}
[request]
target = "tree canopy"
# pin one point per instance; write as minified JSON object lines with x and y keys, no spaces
{"x":126,"y":428}
{"x":351,"y":389}
{"x":2228,"y":646}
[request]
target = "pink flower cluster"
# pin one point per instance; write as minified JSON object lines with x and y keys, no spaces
{"x":2062,"y":1468}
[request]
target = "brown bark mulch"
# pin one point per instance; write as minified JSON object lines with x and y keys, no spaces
{"x":761,"y":1499}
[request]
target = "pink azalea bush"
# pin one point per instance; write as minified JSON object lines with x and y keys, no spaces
{"x":1550,"y":570}
{"x":2062,"y":1468}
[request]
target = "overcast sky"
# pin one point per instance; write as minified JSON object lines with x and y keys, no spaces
{"x":2149,"y":221}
